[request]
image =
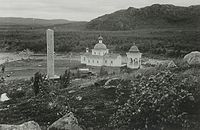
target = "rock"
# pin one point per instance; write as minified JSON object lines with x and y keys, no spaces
{"x":67,"y":122}
{"x":193,"y":58}
{"x":72,"y":91}
{"x":4,"y":97}
{"x":79,"y":98}
{"x":171,"y":64}
{"x":167,"y":64}
{"x":112,"y":82}
{"x":31,"y":125}
{"x":19,"y":89}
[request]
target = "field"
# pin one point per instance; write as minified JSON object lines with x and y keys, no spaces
{"x":25,"y":69}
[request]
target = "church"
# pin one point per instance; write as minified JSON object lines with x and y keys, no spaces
{"x":100,"y":56}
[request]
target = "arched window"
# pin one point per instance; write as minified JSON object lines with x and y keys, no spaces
{"x":131,"y":60}
{"x":136,"y":61}
{"x":84,"y":59}
{"x":97,"y":61}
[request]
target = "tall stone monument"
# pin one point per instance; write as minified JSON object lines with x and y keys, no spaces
{"x":50,"y":53}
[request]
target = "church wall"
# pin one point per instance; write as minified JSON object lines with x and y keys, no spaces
{"x":83,"y":59}
{"x":94,"y":61}
{"x":115,"y":62}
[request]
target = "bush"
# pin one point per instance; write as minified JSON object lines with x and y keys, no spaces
{"x":65,"y":79}
{"x":160,"y":101}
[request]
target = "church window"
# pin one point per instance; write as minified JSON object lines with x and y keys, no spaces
{"x":97,"y":61}
{"x":88,"y":61}
{"x":131,"y":60}
{"x":84,"y":58}
{"x":105,"y":61}
{"x":95,"y":53}
{"x":136,"y":61}
{"x":93,"y":61}
{"x":111,"y":62}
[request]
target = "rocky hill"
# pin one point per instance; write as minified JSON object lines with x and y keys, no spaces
{"x":155,"y":16}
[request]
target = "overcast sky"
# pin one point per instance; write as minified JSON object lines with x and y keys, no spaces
{"x":83,"y":10}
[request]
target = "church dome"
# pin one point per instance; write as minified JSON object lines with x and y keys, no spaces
{"x":100,"y":46}
{"x":134,"y":49}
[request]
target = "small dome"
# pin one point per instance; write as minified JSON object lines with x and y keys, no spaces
{"x":100,"y":37}
{"x":100,"y":46}
{"x":134,"y":49}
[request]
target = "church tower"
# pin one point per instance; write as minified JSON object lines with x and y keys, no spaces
{"x":134,"y":57}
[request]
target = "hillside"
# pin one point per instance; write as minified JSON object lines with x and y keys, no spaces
{"x":31,"y":21}
{"x":155,"y":16}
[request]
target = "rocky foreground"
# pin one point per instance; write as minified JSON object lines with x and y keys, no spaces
{"x":156,"y":98}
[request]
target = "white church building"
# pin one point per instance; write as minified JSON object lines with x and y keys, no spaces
{"x":100,"y":56}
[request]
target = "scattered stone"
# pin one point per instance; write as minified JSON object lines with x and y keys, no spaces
{"x":167,"y":64}
{"x":79,"y":98}
{"x":19,"y":89}
{"x":193,"y":58}
{"x":31,"y":125}
{"x":72,"y":91}
{"x":171,"y":64}
{"x":4,"y":97}
{"x":112,"y":82}
{"x":89,"y":107}
{"x":67,"y":122}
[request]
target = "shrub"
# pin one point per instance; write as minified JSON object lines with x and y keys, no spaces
{"x":65,"y":79}
{"x":159,"y":101}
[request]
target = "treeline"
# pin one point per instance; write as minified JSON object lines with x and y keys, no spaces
{"x":160,"y":42}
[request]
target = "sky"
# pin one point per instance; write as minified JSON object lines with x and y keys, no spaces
{"x":76,"y":10}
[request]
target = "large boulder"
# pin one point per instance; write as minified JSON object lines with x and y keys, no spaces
{"x":31,"y":125}
{"x":193,"y":58}
{"x":67,"y":122}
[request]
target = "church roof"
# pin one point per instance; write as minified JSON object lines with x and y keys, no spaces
{"x":100,"y":46}
{"x":134,"y":49}
{"x":111,"y":56}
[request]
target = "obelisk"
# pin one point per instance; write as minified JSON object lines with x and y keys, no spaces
{"x":50,"y":53}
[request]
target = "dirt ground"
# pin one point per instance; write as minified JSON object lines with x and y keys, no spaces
{"x":25,"y":69}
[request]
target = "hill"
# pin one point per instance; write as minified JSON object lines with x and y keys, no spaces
{"x":155,"y":16}
{"x":31,"y":21}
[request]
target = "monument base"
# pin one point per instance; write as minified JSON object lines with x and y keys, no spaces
{"x":55,"y":77}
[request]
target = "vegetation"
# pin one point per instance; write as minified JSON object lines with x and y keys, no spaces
{"x":161,"y":99}
{"x":165,"y":42}
{"x":65,"y":79}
